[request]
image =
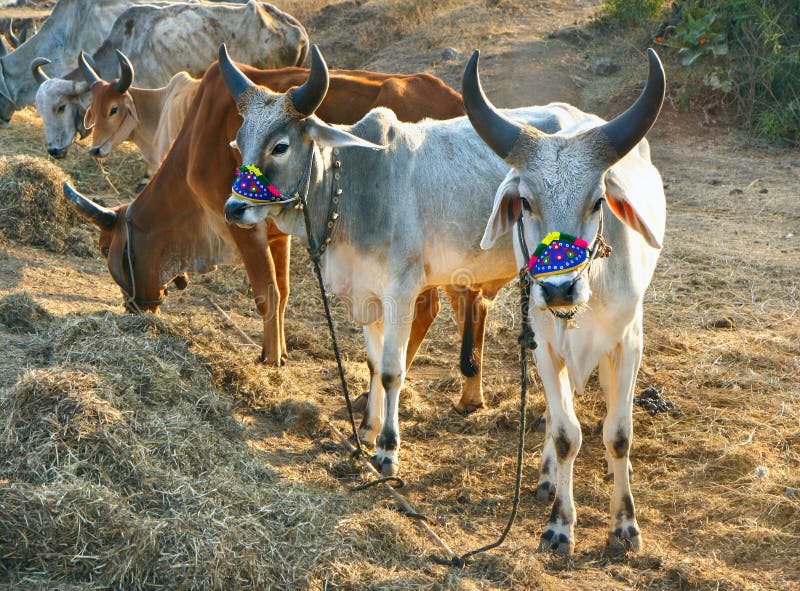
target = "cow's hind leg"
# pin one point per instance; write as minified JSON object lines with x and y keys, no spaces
{"x":280,"y":247}
{"x":565,"y":434}
{"x":372,"y":421}
{"x":397,"y":318}
{"x":623,"y":365}
{"x":470,"y":309}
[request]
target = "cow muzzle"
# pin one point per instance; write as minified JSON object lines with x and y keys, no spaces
{"x":58,"y":153}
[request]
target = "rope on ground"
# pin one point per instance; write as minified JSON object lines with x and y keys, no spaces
{"x":242,"y":333}
{"x":404,"y":504}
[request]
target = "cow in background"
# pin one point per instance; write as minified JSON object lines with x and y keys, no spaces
{"x":163,"y":40}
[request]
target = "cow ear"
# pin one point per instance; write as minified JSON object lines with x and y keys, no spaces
{"x":636,"y":196}
{"x":331,"y":137}
{"x":88,"y":118}
{"x":131,"y":106}
{"x":506,"y":211}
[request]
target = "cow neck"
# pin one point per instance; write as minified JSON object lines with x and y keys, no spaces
{"x":318,"y":196}
{"x":149,"y":107}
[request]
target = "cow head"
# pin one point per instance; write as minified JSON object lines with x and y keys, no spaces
{"x":61,"y":104}
{"x":126,"y":248}
{"x":112,"y":113}
{"x":560,"y":183}
{"x":277,"y":131}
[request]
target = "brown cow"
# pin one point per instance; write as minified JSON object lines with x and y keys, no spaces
{"x":176,"y":224}
{"x":150,"y":118}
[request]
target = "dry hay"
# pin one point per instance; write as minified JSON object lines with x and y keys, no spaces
{"x":123,"y":467}
{"x":33,"y":209}
{"x":19,"y":312}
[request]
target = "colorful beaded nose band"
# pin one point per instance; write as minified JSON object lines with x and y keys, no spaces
{"x":251,"y":185}
{"x":558,"y":253}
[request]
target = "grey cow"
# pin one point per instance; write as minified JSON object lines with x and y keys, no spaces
{"x":73,"y":25}
{"x":595,"y":183}
{"x":162,"y":40}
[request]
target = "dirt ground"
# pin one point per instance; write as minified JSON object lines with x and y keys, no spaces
{"x":713,"y":486}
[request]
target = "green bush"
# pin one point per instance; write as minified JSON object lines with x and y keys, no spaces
{"x":745,"y":51}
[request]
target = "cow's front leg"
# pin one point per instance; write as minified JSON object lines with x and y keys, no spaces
{"x":565,"y":434}
{"x":546,"y":487}
{"x":260,"y":266}
{"x":622,"y":365}
{"x":397,"y":319}
{"x":373,"y":418}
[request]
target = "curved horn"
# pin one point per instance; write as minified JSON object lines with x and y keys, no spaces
{"x":499,"y":132}
{"x":309,"y":96}
{"x":236,"y":82}
{"x":100,"y":216}
{"x":23,"y":36}
{"x":92,"y":77}
{"x":36,"y":69}
{"x":15,"y":41}
{"x":125,"y":73}
{"x":627,"y":130}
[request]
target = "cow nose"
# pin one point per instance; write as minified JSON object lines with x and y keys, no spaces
{"x":95,"y":151}
{"x":234,"y":210}
{"x":558,"y":294}
{"x":57,"y":152}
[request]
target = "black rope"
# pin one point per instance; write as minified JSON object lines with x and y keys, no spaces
{"x":314,"y":253}
{"x":526,"y":341}
{"x":398,"y":483}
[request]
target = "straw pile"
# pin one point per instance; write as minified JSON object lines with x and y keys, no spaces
{"x":33,"y":209}
{"x":122,"y":467}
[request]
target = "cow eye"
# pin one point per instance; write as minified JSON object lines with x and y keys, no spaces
{"x":61,"y":108}
{"x":113,"y":111}
{"x":597,"y":205}
{"x":280,"y":148}
{"x":526,"y":206}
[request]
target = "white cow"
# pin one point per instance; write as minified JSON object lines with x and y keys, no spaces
{"x":592,"y":181}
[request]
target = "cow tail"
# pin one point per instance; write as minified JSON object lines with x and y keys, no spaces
{"x":468,"y":366}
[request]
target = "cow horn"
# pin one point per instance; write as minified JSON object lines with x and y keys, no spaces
{"x":125,"y":72}
{"x":36,"y":69}
{"x":3,"y":47}
{"x":309,"y":96}
{"x":100,"y":216}
{"x":92,"y":77}
{"x":23,"y":36}
{"x":236,"y":82}
{"x":499,"y":132}
{"x":15,"y":42}
{"x":628,"y":129}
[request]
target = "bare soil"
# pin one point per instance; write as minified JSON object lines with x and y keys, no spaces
{"x":713,"y":486}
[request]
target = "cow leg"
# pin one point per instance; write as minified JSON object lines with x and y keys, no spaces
{"x":623,"y":365}
{"x":604,"y":375}
{"x":470,"y":309}
{"x":372,"y":421}
{"x":565,"y":434}
{"x":397,"y":318}
{"x":280,"y":247}
{"x":426,"y":310}
{"x":260,"y":266}
{"x":546,"y":488}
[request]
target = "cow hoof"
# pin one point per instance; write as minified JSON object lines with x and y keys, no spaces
{"x":623,"y":540}
{"x":546,"y":492}
{"x":385,"y":465}
{"x":360,"y":403}
{"x":465,"y":409}
{"x":558,"y":540}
